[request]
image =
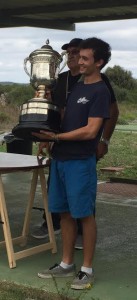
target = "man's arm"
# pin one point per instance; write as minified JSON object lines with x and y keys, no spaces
{"x":87,"y":132}
{"x":108,"y":130}
{"x":111,"y":123}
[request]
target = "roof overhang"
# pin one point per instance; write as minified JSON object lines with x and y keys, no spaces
{"x":63,"y":14}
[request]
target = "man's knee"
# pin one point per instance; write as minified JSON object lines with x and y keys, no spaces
{"x":65,"y":215}
{"x":87,"y":219}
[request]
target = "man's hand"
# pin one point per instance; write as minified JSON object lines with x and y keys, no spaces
{"x":45,"y":135}
{"x":42,"y":146}
{"x":102,"y":149}
{"x":47,"y":146}
{"x":47,"y":94}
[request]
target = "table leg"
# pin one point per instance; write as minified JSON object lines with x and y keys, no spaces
{"x":25,"y":230}
{"x":6,"y":227}
{"x":48,"y":215}
{"x":12,"y":255}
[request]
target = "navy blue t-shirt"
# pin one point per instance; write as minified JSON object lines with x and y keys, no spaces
{"x":86,"y":100}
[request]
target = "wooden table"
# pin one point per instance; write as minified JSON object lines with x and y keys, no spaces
{"x":10,"y":163}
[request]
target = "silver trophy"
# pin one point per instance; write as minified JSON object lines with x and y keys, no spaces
{"x":40,"y":113}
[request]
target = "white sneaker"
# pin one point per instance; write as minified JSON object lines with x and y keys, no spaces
{"x":57,"y":271}
{"x":82,"y":281}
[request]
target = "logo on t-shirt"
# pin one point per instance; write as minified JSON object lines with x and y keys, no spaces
{"x":83,"y":100}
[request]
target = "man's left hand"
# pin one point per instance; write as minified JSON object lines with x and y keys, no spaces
{"x":102,"y":149}
{"x":44,"y":135}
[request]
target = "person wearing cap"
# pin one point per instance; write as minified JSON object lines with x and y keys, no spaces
{"x":65,"y":83}
{"x":68,"y":79}
{"x":73,"y":181}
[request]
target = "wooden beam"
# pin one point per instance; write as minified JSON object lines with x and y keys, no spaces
{"x":51,"y":24}
{"x":67,"y":7}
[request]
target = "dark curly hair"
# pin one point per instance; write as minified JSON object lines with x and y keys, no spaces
{"x":101,"y":49}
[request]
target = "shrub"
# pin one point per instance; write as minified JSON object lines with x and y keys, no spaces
{"x":20,"y":94}
{"x":120,"y":93}
{"x":3,"y":117}
{"x":121,"y":77}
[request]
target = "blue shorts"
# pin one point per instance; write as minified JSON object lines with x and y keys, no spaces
{"x":72,"y":187}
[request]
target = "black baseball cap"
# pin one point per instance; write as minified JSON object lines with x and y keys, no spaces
{"x":73,"y":43}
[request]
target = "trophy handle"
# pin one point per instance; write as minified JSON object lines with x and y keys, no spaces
{"x":25,"y":66}
{"x":58,"y":70}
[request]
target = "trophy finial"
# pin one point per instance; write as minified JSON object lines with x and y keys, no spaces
{"x":47,"y":42}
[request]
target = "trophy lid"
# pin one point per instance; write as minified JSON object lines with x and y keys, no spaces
{"x":46,"y":50}
{"x":47,"y":46}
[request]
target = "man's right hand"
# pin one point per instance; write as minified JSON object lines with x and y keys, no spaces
{"x":42,"y":146}
{"x":47,"y":94}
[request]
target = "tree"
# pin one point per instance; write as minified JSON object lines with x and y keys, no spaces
{"x":121,"y":77}
{"x":20,"y":94}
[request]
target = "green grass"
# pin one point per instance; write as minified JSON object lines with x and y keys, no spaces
{"x":12,"y":291}
{"x":122,"y":153}
{"x":128,"y":111}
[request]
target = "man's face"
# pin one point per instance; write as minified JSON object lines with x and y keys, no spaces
{"x":87,"y":63}
{"x":73,"y":57}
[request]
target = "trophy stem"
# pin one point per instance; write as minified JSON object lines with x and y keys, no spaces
{"x":41,"y":91}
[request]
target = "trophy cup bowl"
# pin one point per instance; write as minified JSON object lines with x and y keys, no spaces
{"x":40,"y":113}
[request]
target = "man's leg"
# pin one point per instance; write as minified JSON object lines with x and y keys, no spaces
{"x":85,"y":206}
{"x":58,"y":202}
{"x":85,"y":276}
{"x":66,"y":267}
{"x":69,"y":232}
{"x":89,"y":230}
{"x":79,"y":239}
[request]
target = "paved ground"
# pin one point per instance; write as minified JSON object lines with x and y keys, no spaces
{"x":115,"y":260}
{"x":116,"y":188}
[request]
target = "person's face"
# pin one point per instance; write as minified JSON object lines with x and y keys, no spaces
{"x":73,"y":57}
{"x":87,"y":62}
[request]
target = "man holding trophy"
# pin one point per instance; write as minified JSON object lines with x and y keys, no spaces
{"x":72,"y":187}
{"x":63,"y":87}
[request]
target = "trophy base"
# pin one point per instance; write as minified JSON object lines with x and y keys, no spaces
{"x":36,"y":115}
{"x":24,"y":131}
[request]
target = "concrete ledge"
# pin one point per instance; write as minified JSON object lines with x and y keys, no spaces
{"x":112,"y":169}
